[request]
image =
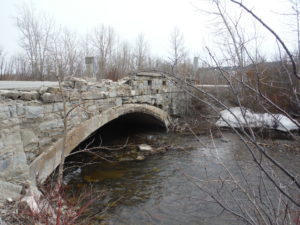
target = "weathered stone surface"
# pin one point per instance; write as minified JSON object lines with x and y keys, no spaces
{"x":51,"y":125}
{"x":118,"y":101}
{"x":11,"y":94}
{"x":8,"y":111}
{"x":4,"y":161}
{"x":31,"y":121}
{"x":34,"y":111}
{"x":10,"y":122}
{"x":92,"y":109}
{"x":94,"y":95}
{"x":4,"y":112}
{"x":112,"y":93}
{"x":12,"y":110}
{"x":44,"y":141}
{"x":13,"y":162}
{"x":28,"y":96}
{"x":28,"y":137}
{"x":9,"y":190}
{"x":74,"y":95}
{"x":48,"y":109}
{"x":19,"y":95}
{"x":54,"y":90}
{"x":75,"y":82}
{"x":42,"y":90}
{"x":50,"y":97}
{"x":20,"y":109}
{"x":57,"y":107}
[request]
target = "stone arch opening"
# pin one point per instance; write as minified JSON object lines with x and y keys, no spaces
{"x":48,"y":161}
{"x":128,"y":124}
{"x":124,"y":133}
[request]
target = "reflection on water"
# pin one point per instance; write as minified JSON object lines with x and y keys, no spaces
{"x":161,"y":189}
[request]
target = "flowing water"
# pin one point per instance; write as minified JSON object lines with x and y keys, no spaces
{"x":164,"y":188}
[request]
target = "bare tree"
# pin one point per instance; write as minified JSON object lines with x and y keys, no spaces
{"x":236,"y":40}
{"x":36,"y":30}
{"x":141,"y":52}
{"x":3,"y":63}
{"x":103,"y":40}
{"x":19,"y":66}
{"x":177,"y":49}
{"x":65,"y":58}
{"x":295,"y":4}
{"x":124,"y":59}
{"x":293,"y":23}
{"x":273,"y":199}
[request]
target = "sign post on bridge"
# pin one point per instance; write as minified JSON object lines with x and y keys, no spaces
{"x":195,"y":68}
{"x":89,"y":63}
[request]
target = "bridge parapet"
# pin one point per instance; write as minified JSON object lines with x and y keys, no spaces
{"x":31,"y":121}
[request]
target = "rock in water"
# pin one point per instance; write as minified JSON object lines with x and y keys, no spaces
{"x":140,"y":158}
{"x":145,"y":147}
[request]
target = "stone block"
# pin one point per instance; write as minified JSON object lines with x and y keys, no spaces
{"x":119,"y":101}
{"x":20,"y":109}
{"x":30,"y":156}
{"x":51,"y":125}
{"x":57,"y":107}
{"x":44,"y":141}
{"x":81,"y":85}
{"x":28,"y":96}
{"x":92,"y":109}
{"x":73,"y":95}
{"x":112,"y":93}
{"x":4,"y":112}
{"x":11,"y":94}
{"x":28,"y":137}
{"x":93,"y":95}
{"x":4,"y":161}
{"x":48,"y":109}
{"x":9,"y":190}
{"x":12,"y":110}
{"x":145,"y":147}
{"x":55,"y":134}
{"x":34,"y":111}
{"x":43,"y":90}
{"x":9,"y":122}
{"x":12,"y":157}
{"x":51,"y":97}
{"x":47,"y":97}
{"x":54,"y":90}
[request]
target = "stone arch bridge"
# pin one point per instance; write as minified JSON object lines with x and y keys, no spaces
{"x":32,"y":120}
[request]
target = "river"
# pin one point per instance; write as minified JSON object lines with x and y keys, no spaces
{"x":173,"y":187}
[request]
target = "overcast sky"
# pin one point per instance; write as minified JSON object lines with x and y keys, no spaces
{"x":155,"y":18}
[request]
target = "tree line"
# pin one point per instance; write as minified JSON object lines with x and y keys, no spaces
{"x":49,"y":50}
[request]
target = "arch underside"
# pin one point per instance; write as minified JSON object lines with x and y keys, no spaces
{"x":47,"y":162}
